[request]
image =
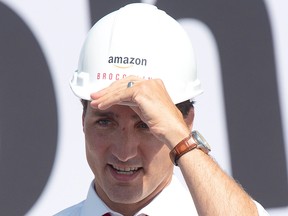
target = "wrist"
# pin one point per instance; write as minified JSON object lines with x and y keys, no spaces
{"x":194,"y":141}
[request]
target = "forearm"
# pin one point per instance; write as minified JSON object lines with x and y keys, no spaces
{"x":213,"y":191}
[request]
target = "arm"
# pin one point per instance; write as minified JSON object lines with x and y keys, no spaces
{"x":213,"y":191}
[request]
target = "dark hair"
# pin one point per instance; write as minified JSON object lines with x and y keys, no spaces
{"x":184,"y":107}
{"x":84,"y":104}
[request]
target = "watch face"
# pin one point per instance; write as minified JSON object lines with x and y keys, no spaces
{"x":202,"y":143}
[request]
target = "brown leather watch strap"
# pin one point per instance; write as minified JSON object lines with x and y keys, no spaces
{"x":184,"y":146}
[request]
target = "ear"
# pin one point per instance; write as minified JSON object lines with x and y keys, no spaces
{"x":190,"y":118}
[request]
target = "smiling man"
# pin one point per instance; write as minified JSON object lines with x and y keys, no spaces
{"x":136,"y":130}
{"x":129,"y":163}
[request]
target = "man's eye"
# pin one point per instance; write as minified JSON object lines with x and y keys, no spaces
{"x":142,"y":125}
{"x":103,"y":122}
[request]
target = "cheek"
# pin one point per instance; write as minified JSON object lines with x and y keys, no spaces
{"x":96,"y":153}
{"x":96,"y":146}
{"x":159,"y":171}
{"x":163,"y":157}
{"x":94,"y":139}
{"x":158,"y":156}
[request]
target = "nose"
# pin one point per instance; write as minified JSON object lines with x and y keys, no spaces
{"x":125,"y":146}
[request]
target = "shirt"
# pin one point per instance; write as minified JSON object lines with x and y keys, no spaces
{"x":174,"y":199}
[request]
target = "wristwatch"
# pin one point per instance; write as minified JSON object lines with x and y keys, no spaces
{"x":193,"y":141}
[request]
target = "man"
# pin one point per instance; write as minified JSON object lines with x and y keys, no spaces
{"x":135,"y":65}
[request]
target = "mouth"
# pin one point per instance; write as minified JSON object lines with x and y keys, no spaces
{"x":125,"y":170}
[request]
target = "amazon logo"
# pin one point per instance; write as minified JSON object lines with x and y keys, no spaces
{"x":126,"y":62}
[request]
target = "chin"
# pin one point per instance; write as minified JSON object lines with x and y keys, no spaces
{"x":126,"y":198}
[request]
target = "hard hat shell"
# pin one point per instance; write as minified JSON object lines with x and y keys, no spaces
{"x":141,"y":40}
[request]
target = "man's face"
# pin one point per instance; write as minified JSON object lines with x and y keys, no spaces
{"x":130,"y":165}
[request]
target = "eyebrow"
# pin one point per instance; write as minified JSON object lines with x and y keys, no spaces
{"x":100,"y":113}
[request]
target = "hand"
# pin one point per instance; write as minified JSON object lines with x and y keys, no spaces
{"x":150,"y":100}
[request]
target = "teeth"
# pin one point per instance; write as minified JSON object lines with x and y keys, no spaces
{"x":126,"y":170}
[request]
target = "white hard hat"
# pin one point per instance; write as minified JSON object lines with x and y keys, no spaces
{"x":139,"y":40}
